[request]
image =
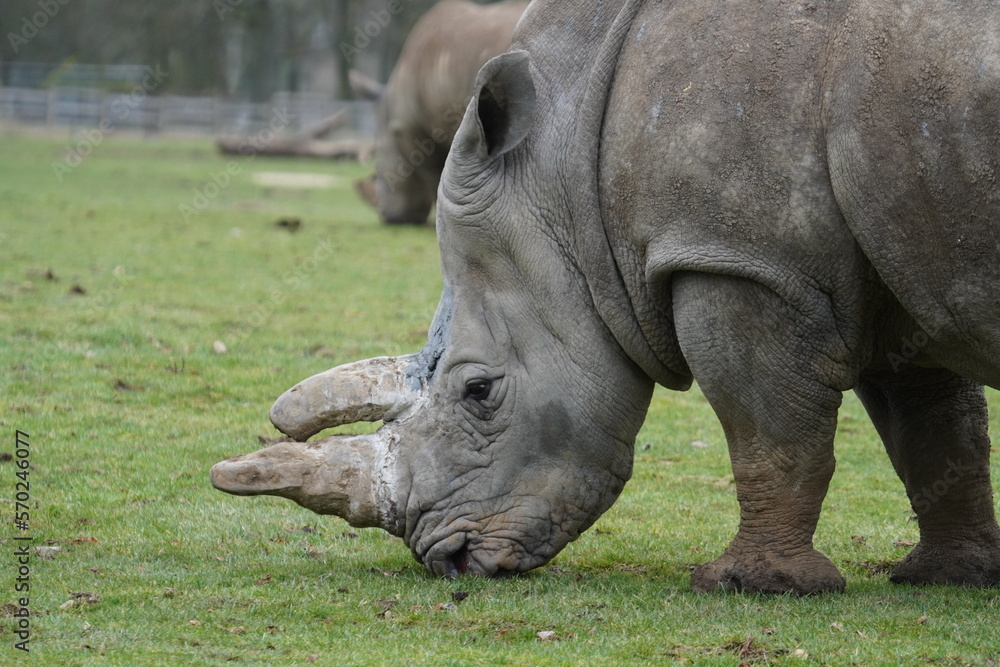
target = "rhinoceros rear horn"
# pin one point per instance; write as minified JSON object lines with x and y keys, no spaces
{"x":367,"y":390}
{"x":502,"y":111}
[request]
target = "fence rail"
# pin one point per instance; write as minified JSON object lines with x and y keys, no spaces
{"x":91,"y":107}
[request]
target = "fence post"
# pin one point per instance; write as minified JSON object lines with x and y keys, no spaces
{"x":50,"y":107}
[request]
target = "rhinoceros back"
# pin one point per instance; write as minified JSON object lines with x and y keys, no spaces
{"x":432,"y":82}
{"x":913,"y":115}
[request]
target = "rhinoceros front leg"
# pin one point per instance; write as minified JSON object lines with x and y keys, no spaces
{"x":934,"y":426}
{"x":761,"y":365}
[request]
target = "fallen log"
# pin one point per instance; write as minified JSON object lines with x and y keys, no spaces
{"x":307,"y":142}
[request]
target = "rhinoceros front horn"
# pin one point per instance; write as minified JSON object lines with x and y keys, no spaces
{"x":367,"y":390}
{"x":353,"y":477}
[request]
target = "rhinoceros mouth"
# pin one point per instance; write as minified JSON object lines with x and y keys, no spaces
{"x":468,"y":560}
{"x":463,"y":553}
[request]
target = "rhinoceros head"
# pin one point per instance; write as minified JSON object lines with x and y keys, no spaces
{"x":512,"y":430}
{"x":405,"y":178}
{"x":401,"y":189}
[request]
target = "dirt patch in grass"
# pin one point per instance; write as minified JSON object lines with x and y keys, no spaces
{"x":288,"y":180}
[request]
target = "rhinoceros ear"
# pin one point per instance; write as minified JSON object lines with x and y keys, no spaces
{"x":503,"y":106}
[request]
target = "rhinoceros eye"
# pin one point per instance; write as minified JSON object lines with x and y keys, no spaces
{"x":478,"y":390}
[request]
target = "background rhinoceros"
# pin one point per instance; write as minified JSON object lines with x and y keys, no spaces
{"x":424,"y":101}
{"x":782,"y":201}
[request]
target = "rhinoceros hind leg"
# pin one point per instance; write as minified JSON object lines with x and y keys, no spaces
{"x":770,"y":380}
{"x":934,"y":426}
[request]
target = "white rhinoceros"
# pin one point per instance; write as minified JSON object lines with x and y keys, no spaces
{"x":781,"y":200}
{"x":421,"y":106}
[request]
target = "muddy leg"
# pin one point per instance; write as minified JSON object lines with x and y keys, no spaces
{"x":934,"y":426}
{"x":770,"y":380}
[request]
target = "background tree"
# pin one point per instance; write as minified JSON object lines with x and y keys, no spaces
{"x":248,"y":49}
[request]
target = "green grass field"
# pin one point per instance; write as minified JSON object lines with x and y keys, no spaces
{"x":112,"y":296}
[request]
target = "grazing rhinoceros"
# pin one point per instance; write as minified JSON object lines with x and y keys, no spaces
{"x":780,"y":200}
{"x":423,"y":103}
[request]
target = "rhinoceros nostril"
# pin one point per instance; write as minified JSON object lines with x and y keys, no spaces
{"x":460,"y":559}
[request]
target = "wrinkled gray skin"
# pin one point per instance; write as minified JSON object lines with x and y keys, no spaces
{"x":781,"y":201}
{"x":420,"y":108}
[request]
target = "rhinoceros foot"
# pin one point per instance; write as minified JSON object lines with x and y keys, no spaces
{"x":763,"y":572}
{"x":957,"y":565}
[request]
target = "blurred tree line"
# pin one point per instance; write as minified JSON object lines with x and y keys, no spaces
{"x":236,"y":48}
